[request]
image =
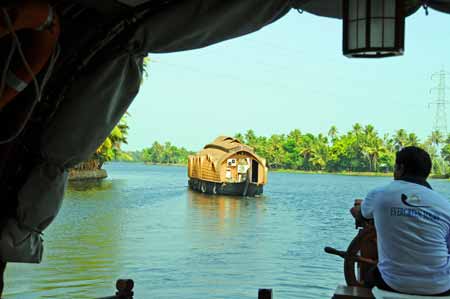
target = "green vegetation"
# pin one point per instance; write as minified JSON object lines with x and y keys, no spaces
{"x":359,"y":150}
{"x":109,"y":150}
{"x":165,"y":154}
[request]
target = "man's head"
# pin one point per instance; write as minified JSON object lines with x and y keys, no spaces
{"x":413,"y":162}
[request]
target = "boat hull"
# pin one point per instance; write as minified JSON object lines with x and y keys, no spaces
{"x":236,"y":189}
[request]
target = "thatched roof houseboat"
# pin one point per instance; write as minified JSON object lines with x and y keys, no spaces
{"x":226,"y":166}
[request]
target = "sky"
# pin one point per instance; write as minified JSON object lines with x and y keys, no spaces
{"x":289,"y":75}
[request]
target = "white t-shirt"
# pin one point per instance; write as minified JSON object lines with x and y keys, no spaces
{"x":413,"y":225}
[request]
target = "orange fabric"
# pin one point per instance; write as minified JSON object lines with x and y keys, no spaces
{"x":31,"y":15}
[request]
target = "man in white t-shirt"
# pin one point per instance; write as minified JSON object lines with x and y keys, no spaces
{"x":413,"y":225}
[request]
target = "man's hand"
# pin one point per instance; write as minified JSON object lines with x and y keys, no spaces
{"x":356,"y":210}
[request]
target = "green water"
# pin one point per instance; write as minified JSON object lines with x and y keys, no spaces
{"x":143,"y":223}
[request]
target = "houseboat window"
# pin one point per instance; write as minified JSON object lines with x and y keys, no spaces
{"x":231,"y":162}
{"x":255,"y":173}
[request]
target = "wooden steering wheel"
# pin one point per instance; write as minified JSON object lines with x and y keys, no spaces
{"x":361,"y":254}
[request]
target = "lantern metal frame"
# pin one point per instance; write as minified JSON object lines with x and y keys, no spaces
{"x":374,"y":52}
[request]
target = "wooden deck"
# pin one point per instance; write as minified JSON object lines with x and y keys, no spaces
{"x":346,"y":292}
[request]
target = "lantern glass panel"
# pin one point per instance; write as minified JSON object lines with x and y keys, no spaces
{"x":376,"y":33}
{"x":362,"y":34}
{"x":389,"y":8}
{"x":389,"y":33}
{"x":353,"y":10}
{"x":352,"y":35}
{"x":362,"y":9}
{"x":376,"y":8}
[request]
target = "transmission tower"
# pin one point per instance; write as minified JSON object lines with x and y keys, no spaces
{"x":440,"y":118}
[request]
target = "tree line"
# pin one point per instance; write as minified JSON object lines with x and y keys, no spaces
{"x":361,"y":149}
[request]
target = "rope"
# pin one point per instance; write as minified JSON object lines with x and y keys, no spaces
{"x":22,"y":55}
{"x":51,"y":66}
{"x":38,"y":89}
{"x":6,"y":67}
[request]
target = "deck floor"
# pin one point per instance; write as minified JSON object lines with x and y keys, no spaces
{"x":346,"y":292}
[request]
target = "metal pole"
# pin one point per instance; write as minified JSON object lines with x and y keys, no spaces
{"x":2,"y":272}
{"x":124,"y":290}
{"x":265,"y":294}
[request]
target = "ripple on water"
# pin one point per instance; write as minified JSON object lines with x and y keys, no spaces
{"x":143,"y":223}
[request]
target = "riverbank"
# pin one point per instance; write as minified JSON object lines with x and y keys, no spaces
{"x":165,"y":164}
{"x":356,"y":173}
{"x":348,"y":173}
{"x":86,"y":175}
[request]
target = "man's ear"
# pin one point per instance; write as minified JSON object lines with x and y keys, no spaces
{"x":401,"y":169}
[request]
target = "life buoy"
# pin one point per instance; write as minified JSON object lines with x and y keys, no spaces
{"x":44,"y":22}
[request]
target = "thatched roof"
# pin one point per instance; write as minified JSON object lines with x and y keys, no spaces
{"x":224,"y":147}
{"x":228,"y":144}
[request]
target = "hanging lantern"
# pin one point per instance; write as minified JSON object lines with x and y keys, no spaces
{"x":373,"y":28}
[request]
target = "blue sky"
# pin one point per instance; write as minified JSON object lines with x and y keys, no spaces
{"x":288,"y":75}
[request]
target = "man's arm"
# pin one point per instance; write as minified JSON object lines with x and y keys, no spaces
{"x":356,"y":211}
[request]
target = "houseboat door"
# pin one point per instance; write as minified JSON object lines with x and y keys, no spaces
{"x":255,"y":174}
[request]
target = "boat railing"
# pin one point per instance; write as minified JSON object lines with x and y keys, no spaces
{"x":125,"y":291}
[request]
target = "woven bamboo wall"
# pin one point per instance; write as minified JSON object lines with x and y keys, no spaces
{"x":201,"y":167}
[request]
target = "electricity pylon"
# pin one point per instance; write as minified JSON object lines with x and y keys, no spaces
{"x":440,"y":118}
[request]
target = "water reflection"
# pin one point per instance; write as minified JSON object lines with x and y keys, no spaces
{"x":175,"y":243}
{"x":89,"y":185}
{"x":224,"y":213}
{"x":83,"y":248}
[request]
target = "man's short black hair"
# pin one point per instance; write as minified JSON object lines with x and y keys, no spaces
{"x":415,"y":161}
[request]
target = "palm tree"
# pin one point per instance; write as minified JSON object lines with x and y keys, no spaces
{"x":400,"y":139}
{"x":295,"y":134}
{"x":250,"y":137}
{"x":436,"y":138}
{"x":332,"y":133}
{"x":240,"y":137}
{"x":388,"y":143}
{"x":369,"y":130}
{"x":319,"y":152}
{"x":413,"y":140}
{"x":374,"y":151}
{"x":110,"y":148}
{"x":357,"y":129}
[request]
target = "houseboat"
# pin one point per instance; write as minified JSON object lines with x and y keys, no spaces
{"x":228,"y":167}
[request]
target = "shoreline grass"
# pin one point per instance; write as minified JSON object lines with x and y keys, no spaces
{"x":348,"y":173}
{"x":351,"y":173}
{"x":284,"y":170}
